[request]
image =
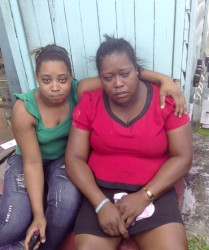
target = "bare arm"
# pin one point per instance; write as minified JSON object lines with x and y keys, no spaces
{"x":177,"y":166}
{"x":76,"y":156}
{"x":24,"y":132}
{"x":167,"y":87}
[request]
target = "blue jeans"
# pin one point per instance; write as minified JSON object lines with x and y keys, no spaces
{"x":62,"y":203}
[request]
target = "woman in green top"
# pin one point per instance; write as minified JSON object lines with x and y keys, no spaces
{"x":37,"y":194}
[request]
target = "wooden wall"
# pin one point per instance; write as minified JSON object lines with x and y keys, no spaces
{"x":158,"y":30}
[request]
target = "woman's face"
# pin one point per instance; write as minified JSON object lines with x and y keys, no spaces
{"x":119,"y":77}
{"x":54,"y":80}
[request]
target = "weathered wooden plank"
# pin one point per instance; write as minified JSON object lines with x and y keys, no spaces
{"x":91,"y":33}
{"x":11,"y":74}
{"x":191,"y":57}
{"x":164,"y":35}
{"x":107,"y":18}
{"x":75,"y":32}
{"x":59,"y":25}
{"x":30,"y":24}
{"x":178,"y":38}
{"x":125,"y":14}
{"x":18,"y":43}
{"x":43,"y":21}
{"x":144,"y":30}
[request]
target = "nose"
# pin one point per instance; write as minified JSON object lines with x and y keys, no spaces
{"x":55,"y":86}
{"x":118,"y":82}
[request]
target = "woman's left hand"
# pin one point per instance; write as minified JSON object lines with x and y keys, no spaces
{"x":131,"y":206}
{"x":170,"y":87}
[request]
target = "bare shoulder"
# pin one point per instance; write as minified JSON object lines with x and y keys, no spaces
{"x":21,"y":116}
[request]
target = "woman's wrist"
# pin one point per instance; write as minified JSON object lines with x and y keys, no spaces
{"x":101,"y":204}
{"x":149,"y":194}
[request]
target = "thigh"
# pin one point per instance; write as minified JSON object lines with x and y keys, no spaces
{"x":169,"y":236}
{"x":92,"y":242}
{"x":15,"y":210}
{"x":62,"y":193}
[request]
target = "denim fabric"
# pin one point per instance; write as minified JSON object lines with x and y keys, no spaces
{"x":62,"y":203}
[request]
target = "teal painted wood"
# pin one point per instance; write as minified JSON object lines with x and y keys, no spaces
{"x":17,"y":40}
{"x":12,"y":78}
{"x":107,"y":18}
{"x":30,"y":24}
{"x":144,"y":31}
{"x":75,"y":33}
{"x":164,"y":36}
{"x":178,"y":38}
{"x":205,"y":48}
{"x":43,"y":21}
{"x":59,"y":23}
{"x":91,"y":34}
{"x":79,"y":26}
{"x":125,"y":14}
{"x":60,"y":27}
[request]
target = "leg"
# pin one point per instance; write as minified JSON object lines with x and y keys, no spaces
{"x":169,"y":236}
{"x":63,"y":201}
{"x":15,"y":209}
{"x":92,"y":242}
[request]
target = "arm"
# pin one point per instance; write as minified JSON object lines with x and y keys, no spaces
{"x":177,"y":166}
{"x":76,"y":156}
{"x":167,"y":87}
{"x":24,"y":132}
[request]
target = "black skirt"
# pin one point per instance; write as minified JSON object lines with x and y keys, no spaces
{"x":166,"y":211}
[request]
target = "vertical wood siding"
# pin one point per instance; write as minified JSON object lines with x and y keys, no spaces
{"x":156,"y":29}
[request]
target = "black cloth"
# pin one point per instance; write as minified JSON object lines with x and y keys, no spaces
{"x":166,"y":211}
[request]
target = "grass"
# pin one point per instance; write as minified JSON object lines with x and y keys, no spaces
{"x":197,"y":243}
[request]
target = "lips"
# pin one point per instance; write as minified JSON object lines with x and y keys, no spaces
{"x":56,"y":97}
{"x":121,"y":94}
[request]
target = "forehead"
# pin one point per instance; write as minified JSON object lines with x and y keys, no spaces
{"x":53,"y":65}
{"x":114,"y":61}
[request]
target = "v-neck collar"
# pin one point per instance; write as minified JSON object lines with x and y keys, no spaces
{"x":139,"y":116}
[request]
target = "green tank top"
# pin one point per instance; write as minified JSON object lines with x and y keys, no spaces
{"x":52,"y":141}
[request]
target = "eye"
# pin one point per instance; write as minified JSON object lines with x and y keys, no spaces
{"x":107,"y":78}
{"x":46,"y":80}
{"x":124,"y":74}
{"x":63,"y":80}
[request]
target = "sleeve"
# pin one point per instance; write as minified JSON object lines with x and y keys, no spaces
{"x":82,"y":114}
{"x":74,"y":86}
{"x":172,"y":121}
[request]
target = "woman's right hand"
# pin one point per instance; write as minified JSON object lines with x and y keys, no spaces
{"x":39,"y":224}
{"x":112,"y":225}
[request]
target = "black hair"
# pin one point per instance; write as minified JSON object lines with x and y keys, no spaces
{"x":111,"y":45}
{"x":51,"y":52}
